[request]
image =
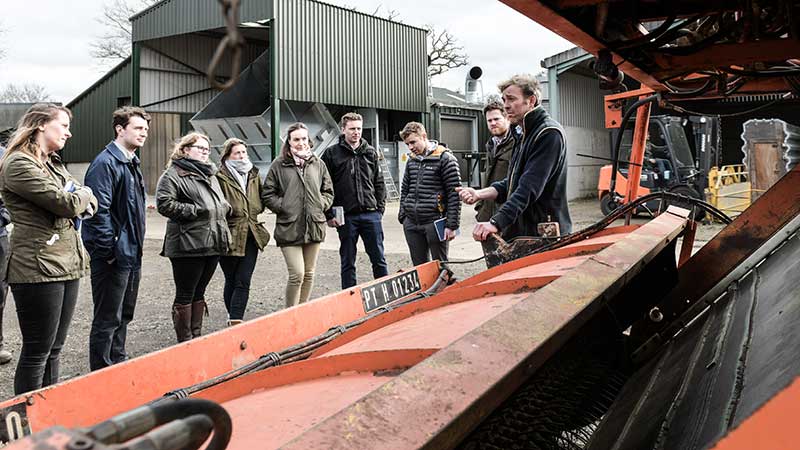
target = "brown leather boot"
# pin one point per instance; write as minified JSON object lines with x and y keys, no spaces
{"x":182,"y":320}
{"x":199,"y":308}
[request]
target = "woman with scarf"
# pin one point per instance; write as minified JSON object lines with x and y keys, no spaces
{"x":299,"y":190}
{"x":243,"y":189}
{"x":188,"y":194}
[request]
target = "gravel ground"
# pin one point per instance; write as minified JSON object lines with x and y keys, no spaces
{"x":152,"y":327}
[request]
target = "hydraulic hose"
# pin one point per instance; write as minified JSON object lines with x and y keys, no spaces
{"x":618,"y":141}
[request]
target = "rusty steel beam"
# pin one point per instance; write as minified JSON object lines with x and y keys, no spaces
{"x":637,"y":152}
{"x":720,"y":256}
{"x":436,"y":403}
{"x":726,"y":55}
{"x":552,"y":20}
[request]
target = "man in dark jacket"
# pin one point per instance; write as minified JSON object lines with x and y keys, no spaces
{"x":535,"y":189}
{"x":5,"y":219}
{"x":360,"y":192}
{"x":428,"y":195}
{"x":499,"y":149}
{"x":114,"y":237}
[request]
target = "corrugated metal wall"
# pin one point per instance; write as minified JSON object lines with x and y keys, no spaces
{"x":91,"y":125}
{"x":173,"y":17}
{"x":175,"y":67}
{"x":581,"y":114}
{"x":333,"y":55}
{"x":165,"y":129}
{"x":580,"y":101}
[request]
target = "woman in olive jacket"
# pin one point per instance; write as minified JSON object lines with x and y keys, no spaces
{"x":197,"y":234}
{"x":299,"y":190}
{"x":47,"y":255}
{"x":243,"y":189}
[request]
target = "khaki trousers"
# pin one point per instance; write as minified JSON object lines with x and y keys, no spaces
{"x":301,"y":260}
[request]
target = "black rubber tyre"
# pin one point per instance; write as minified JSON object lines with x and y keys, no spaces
{"x":607,"y":204}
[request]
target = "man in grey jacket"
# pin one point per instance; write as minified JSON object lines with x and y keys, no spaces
{"x":5,"y":219}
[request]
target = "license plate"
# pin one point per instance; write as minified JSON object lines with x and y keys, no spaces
{"x":13,"y":423}
{"x":389,"y":290}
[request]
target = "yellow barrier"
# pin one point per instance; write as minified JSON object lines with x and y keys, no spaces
{"x":729,"y":189}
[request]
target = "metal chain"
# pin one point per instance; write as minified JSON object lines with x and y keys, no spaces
{"x":233,"y":41}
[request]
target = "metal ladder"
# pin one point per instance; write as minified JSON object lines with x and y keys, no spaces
{"x":392,"y":194}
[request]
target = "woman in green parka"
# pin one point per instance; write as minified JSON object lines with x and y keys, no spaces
{"x":188,"y":193}
{"x":243,"y":189}
{"x":299,"y":190}
{"x":47,"y":255}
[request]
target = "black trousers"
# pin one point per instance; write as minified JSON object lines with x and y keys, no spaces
{"x":191,"y":276}
{"x":238,"y":272}
{"x":423,"y":242}
{"x":114,"y":294}
{"x":44,"y":311}
{"x":4,"y":255}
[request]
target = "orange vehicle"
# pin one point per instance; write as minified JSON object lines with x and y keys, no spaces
{"x":673,"y":162}
{"x":613,"y":337}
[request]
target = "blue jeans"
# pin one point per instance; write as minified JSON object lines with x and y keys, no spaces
{"x":238,"y":272}
{"x":114,"y":294}
{"x":368,"y":226}
{"x":44,"y":311}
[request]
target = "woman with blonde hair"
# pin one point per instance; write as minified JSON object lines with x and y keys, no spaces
{"x":47,"y":256}
{"x":243,"y":189}
{"x":299,"y":190}
{"x":188,"y":194}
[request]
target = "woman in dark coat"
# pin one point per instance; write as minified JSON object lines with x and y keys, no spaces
{"x":243,"y":189}
{"x":299,"y":190}
{"x":188,"y":194}
{"x":47,"y":256}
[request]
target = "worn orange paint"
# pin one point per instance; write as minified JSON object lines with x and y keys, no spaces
{"x":91,"y":398}
{"x":771,"y":427}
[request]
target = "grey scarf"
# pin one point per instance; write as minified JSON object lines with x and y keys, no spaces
{"x":239,"y":168}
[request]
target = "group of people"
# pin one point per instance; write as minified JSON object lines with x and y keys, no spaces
{"x":64,"y":230}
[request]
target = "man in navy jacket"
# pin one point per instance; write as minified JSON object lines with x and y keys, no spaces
{"x":114,"y":236}
{"x":535,"y":188}
{"x":5,"y":219}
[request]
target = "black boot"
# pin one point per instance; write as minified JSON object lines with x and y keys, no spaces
{"x":199,"y":308}
{"x":182,"y":319}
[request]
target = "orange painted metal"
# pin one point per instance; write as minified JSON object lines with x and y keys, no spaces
{"x":615,"y":103}
{"x":721,"y":255}
{"x":637,"y":152}
{"x":140,"y":380}
{"x":436,"y":402}
{"x":604,"y":183}
{"x":556,"y":23}
{"x":282,"y":404}
{"x":771,"y":427}
{"x":687,"y":244}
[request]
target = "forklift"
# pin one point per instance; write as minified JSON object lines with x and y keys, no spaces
{"x":679,"y":154}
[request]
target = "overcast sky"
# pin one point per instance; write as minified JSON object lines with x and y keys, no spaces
{"x":47,"y":41}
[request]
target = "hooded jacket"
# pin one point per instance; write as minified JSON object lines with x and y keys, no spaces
{"x":429,"y":187}
{"x":535,"y":189}
{"x":357,"y":180}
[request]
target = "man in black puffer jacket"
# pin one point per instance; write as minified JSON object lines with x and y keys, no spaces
{"x":428,"y":194}
{"x":359,"y":190}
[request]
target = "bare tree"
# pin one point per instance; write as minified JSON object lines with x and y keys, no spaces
{"x":444,"y":53}
{"x":114,"y":44}
{"x":24,"y":93}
